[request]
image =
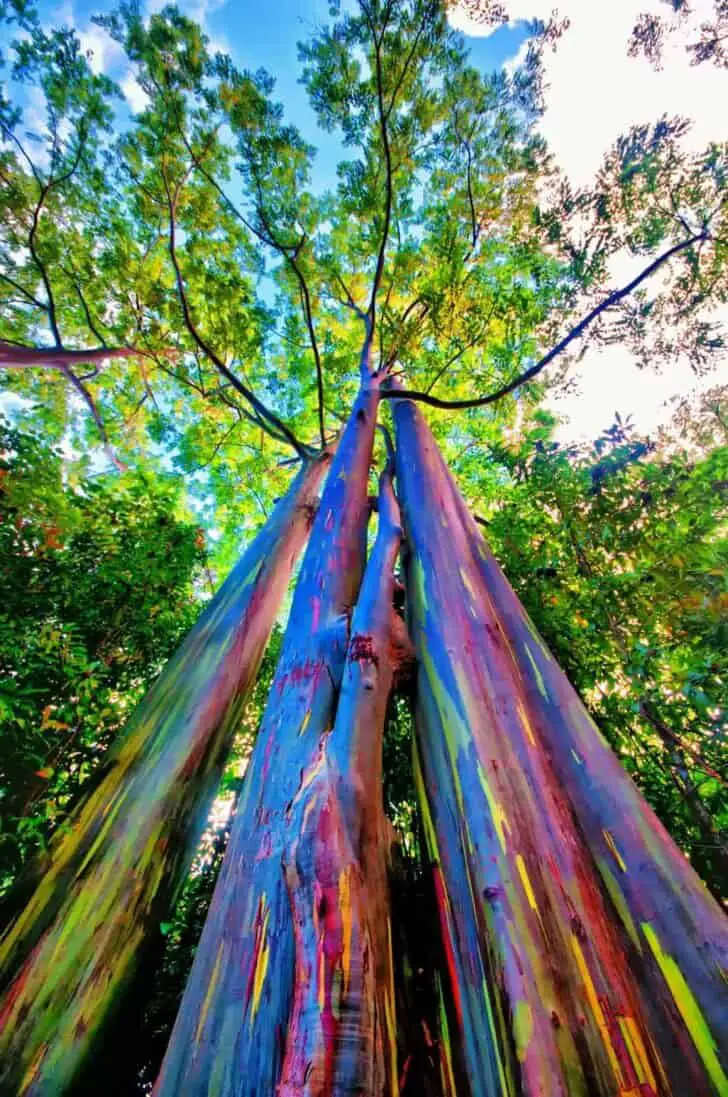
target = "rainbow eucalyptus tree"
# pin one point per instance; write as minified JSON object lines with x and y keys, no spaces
{"x":434,"y":242}
{"x":69,"y":956}
{"x":585,"y":955}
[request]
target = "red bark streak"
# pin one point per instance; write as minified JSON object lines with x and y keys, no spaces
{"x":362,"y":650}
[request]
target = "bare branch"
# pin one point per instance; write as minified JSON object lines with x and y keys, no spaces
{"x":533,"y":371}
{"x":389,"y":192}
{"x":218,"y":446}
{"x":475,"y":225}
{"x":18,"y":144}
{"x":308,"y":314}
{"x":95,"y":414}
{"x":350,"y":302}
{"x":450,"y":362}
{"x":400,"y":333}
{"x":84,"y":305}
{"x":290,"y":254}
{"x":405,"y":67}
{"x":44,"y":191}
{"x":51,"y":306}
{"x":14,"y":356}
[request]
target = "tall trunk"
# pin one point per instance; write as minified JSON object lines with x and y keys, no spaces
{"x":230,"y":1033}
{"x":70,"y":955}
{"x":584,"y":952}
{"x":341,"y":1037}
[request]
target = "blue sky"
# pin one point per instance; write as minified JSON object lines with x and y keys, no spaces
{"x":264,"y":35}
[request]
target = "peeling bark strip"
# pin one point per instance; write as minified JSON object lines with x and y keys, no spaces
{"x":585,"y":955}
{"x":230,"y":1034}
{"x":69,"y":956}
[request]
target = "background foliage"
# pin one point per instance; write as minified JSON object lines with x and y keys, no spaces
{"x":99,"y":587}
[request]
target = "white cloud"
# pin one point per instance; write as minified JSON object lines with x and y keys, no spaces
{"x":105,"y":55}
{"x":134,"y":93}
{"x":594,"y":93}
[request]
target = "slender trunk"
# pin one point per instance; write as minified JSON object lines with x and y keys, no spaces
{"x":585,"y":954}
{"x":13,"y":356}
{"x":230,"y":1033}
{"x":68,"y":958}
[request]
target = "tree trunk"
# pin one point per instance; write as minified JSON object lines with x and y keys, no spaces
{"x":341,"y":1037}
{"x":585,"y":955}
{"x":70,"y":955}
{"x":230,"y":1033}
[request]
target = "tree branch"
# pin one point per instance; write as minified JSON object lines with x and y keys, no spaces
{"x":218,"y":446}
{"x":84,"y":305}
{"x":533,"y":371}
{"x":388,"y":200}
{"x":44,"y":191}
{"x":290,"y":255}
{"x":350,"y":302}
{"x":268,"y":416}
{"x":400,"y":332}
{"x":450,"y":362}
{"x":26,"y":293}
{"x":308,"y":314}
{"x":292,"y":259}
{"x":95,"y":414}
{"x":15,"y":356}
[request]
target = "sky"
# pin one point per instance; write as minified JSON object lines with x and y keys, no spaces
{"x":594,"y":92}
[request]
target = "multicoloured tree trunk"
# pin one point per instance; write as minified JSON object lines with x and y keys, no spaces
{"x":585,"y":956}
{"x":230,"y":1036}
{"x":71,"y":953}
{"x":341,"y":1036}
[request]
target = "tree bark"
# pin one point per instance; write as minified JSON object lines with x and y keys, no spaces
{"x":230,"y":1036}
{"x":70,"y":955}
{"x":13,"y":356}
{"x":341,"y":1036}
{"x":585,"y":955}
